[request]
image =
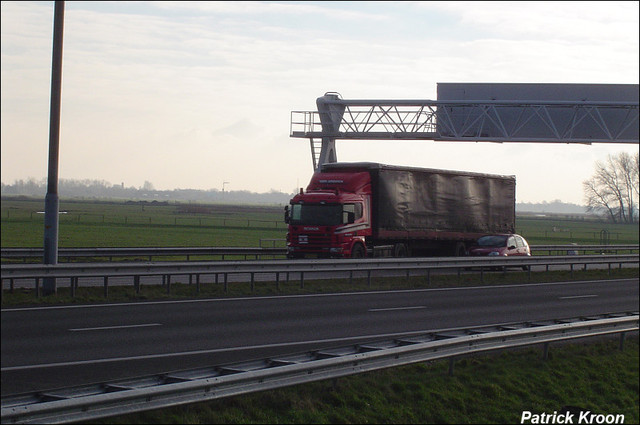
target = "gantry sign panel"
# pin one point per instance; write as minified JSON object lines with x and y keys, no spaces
{"x":565,"y":113}
{"x":478,"y":112}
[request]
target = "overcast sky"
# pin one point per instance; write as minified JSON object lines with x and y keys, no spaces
{"x":194,"y":94}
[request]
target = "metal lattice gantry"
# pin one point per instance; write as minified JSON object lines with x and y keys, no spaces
{"x":548,"y":121}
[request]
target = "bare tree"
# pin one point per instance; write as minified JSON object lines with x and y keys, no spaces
{"x":614,"y":188}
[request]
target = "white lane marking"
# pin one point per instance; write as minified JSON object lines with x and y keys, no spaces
{"x":577,"y":296}
{"x":115,"y":327}
{"x":396,"y":308}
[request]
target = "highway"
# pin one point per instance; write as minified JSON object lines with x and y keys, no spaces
{"x":59,"y":346}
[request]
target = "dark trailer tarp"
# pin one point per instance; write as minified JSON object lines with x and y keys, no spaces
{"x":419,"y":200}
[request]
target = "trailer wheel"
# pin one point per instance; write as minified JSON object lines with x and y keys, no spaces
{"x":400,"y":250}
{"x":358,"y":251}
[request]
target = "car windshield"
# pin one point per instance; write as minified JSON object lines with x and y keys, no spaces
{"x":492,"y":241}
{"x":317,"y":215}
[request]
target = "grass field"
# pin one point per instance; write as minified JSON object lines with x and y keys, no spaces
{"x":148,"y":224}
{"x":554,"y":231}
{"x":110,"y":224}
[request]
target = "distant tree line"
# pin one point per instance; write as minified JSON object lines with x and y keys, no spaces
{"x":614,"y":190}
{"x":100,"y":189}
{"x":556,"y":206}
{"x":611,"y":193}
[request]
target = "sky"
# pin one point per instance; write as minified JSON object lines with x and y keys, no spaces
{"x":199,"y":95}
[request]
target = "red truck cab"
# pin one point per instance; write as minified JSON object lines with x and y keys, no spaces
{"x":331,"y":218}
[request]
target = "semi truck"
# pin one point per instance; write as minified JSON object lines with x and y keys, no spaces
{"x":363,"y":209}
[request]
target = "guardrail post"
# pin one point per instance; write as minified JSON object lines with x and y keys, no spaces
{"x":252,"y":281}
{"x":278,"y":281}
{"x":198,"y":284}
{"x":226,"y":283}
{"x":37,"y":287}
{"x":106,"y":286}
{"x":545,"y":351}
{"x":301,"y":280}
{"x":622,"y":336}
{"x":451,"y":363}
{"x":369,"y":278}
{"x":72,"y":286}
{"x":136,"y":284}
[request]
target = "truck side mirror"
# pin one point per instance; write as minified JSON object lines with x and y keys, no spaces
{"x":286,"y":214}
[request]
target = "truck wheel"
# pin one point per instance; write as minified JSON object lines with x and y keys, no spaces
{"x":400,"y":250}
{"x":358,"y":251}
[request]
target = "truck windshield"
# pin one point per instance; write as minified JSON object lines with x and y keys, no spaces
{"x":317,"y":215}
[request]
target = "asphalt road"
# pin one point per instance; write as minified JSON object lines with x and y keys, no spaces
{"x":60,"y":346}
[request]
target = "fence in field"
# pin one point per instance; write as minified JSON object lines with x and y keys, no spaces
{"x":529,"y":231}
{"x":151,"y":219}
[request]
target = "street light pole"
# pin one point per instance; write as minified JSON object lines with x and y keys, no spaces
{"x":51,"y":202}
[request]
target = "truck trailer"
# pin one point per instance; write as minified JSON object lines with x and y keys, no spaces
{"x":363,"y":209}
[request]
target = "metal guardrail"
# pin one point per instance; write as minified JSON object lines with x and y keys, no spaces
{"x":136,"y":270}
{"x":171,"y":389}
{"x":147,"y":252}
{"x":256,"y":252}
{"x":570,"y":248}
{"x":66,"y":270}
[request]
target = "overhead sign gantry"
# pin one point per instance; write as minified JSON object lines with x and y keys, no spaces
{"x":524,"y":113}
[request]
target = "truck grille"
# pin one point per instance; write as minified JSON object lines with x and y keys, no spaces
{"x":314,"y":241}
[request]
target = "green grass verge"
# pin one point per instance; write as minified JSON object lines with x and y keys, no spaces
{"x":484,"y":389}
